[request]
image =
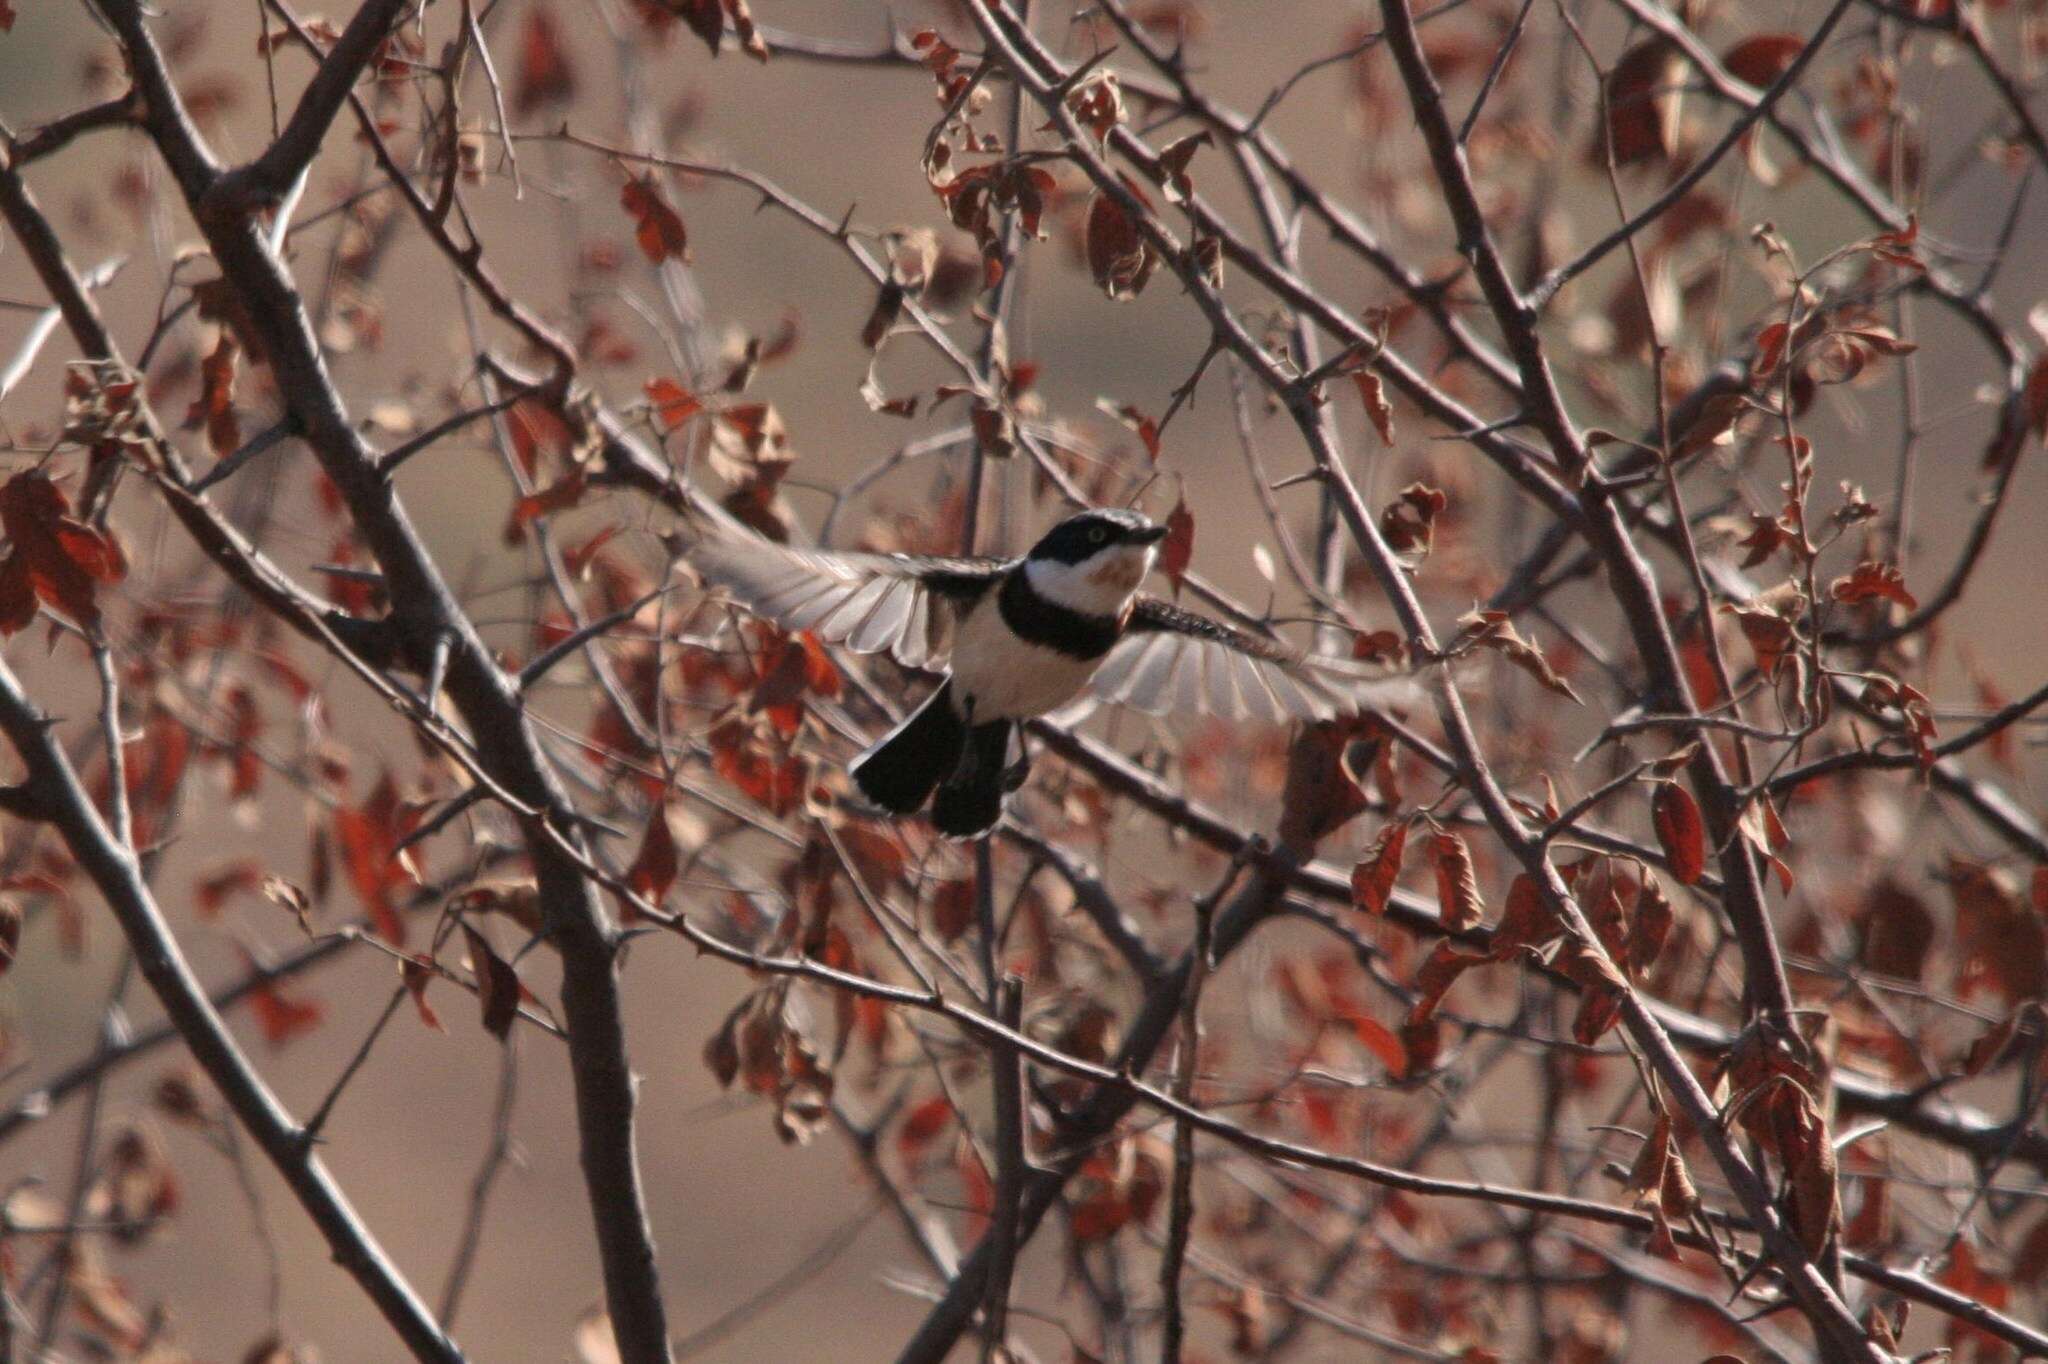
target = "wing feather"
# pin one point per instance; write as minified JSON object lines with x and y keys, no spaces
{"x":885,"y":624}
{"x":1151,"y":670}
{"x":1191,"y":681}
{"x":853,"y":612}
{"x":1170,"y":659}
{"x":899,"y":603}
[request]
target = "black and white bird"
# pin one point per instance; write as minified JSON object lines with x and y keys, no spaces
{"x":1020,"y":638}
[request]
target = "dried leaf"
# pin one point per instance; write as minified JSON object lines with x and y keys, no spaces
{"x":1119,"y":256}
{"x":923,"y":1123}
{"x":655,"y":865}
{"x":1457,"y":887}
{"x":673,"y":404}
{"x":1438,"y":972}
{"x":1372,"y":880}
{"x":1761,"y":59}
{"x":657,"y":227}
{"x":1321,"y":793}
{"x":52,"y":557}
{"x":282,"y":892}
{"x":1602,"y":990}
{"x":1380,"y":1040}
{"x":1644,"y":94}
{"x":1650,"y":926}
{"x":1372,"y":391}
{"x":214,"y":408}
{"x":282,"y":1016}
{"x":1098,"y":104}
{"x":1408,"y":523}
{"x":497,"y":984}
{"x":544,"y":72}
{"x":1871,"y":581}
{"x":558,"y":496}
{"x":1680,"y":831}
{"x":1173,"y":166}
{"x":418,"y":972}
{"x":1177,"y":550}
{"x":1146,"y":429}
{"x":1526,"y":920}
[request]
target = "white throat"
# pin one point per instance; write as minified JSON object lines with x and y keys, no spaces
{"x":1099,"y":585}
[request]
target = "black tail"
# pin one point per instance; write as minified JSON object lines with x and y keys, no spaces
{"x":899,"y":773}
{"x":971,"y":800}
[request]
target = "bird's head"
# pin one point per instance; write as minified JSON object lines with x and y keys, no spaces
{"x":1094,"y":561}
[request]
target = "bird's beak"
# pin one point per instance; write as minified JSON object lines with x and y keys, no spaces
{"x":1151,"y":535}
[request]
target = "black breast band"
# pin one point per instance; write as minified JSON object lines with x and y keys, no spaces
{"x":1073,"y":633}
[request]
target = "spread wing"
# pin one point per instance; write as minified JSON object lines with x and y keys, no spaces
{"x":904,"y":604}
{"x":1170,"y":659}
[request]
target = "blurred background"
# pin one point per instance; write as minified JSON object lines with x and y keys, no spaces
{"x":734,"y":1210}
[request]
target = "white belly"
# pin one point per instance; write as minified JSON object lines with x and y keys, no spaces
{"x":1008,"y":678}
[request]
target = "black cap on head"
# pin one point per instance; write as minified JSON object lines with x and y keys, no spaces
{"x":1091,"y":532}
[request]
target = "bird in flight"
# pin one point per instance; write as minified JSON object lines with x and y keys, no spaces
{"x":1020,"y":638}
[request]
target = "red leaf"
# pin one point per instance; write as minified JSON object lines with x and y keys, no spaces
{"x":1652,"y":925}
{"x":657,"y":227}
{"x":1373,"y":393}
{"x":1762,"y":59}
{"x":2034,"y":400}
{"x":214,"y":891}
{"x":1381,"y":1042}
{"x":214,"y":408}
{"x":1871,"y":581}
{"x":773,"y":781}
{"x":1321,"y":793}
{"x":1439,"y":970}
{"x":953,"y":909}
{"x":1770,"y":349}
{"x":497,"y":984}
{"x":1372,"y":880}
{"x":925,"y":1122}
{"x":17,"y":595}
{"x":1526,"y":920}
{"x":53,"y":557}
{"x":1680,"y":831}
{"x":1177,"y":551}
{"x":1643,"y":93}
{"x":1146,"y":428}
{"x":281,"y":1016}
{"x":1604,"y":990}
{"x":556,"y":497}
{"x":535,"y":431}
{"x":544,"y":70}
{"x":1118,"y":255}
{"x":673,"y":404}
{"x":1409,"y":523}
{"x":368,"y":836}
{"x":654,"y":869}
{"x":1457,"y":888}
{"x":417,"y":972}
